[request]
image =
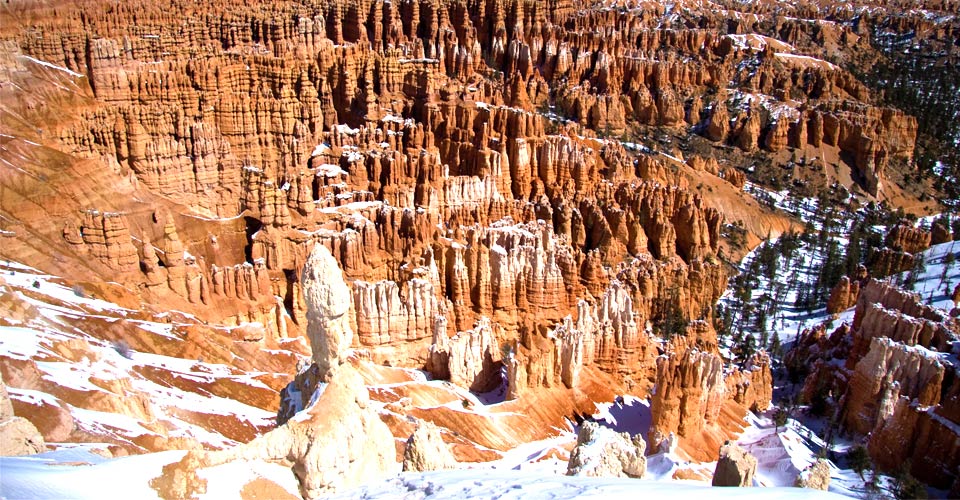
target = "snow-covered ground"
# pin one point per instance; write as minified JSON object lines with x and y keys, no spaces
{"x":782,"y":453}
{"x":77,"y":472}
{"x":520,"y":485}
{"x":941,"y":272}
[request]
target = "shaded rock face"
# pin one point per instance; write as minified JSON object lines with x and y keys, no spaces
{"x":468,"y":358}
{"x":426,"y":451}
{"x":940,"y":233}
{"x":602,"y":452}
{"x":690,"y":393}
{"x":891,"y":379}
{"x":18,"y":436}
{"x":735,"y":467}
{"x":889,"y":369}
{"x":908,"y":239}
{"x":328,"y":302}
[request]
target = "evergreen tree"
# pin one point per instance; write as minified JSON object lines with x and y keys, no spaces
{"x":854,"y":251}
{"x":859,"y":460}
{"x":907,"y":486}
{"x":780,"y":417}
{"x":948,"y":261}
{"x":749,"y":347}
{"x":775,"y":348}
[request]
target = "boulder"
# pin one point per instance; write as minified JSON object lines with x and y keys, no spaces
{"x":603,"y":452}
{"x":817,"y":476}
{"x":735,"y":467}
{"x":17,"y":435}
{"x":426,"y":451}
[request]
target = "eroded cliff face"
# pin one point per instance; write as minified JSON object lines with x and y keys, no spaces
{"x":893,"y":379}
{"x":445,"y":170}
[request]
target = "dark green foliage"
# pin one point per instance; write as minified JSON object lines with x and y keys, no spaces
{"x":748,"y":347}
{"x":819,"y":401}
{"x":927,"y":89}
{"x":907,"y":486}
{"x":674,"y":320}
{"x":859,"y":460}
{"x":775,"y":348}
{"x":780,"y":417}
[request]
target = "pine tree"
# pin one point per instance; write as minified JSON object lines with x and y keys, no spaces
{"x":748,"y":348}
{"x":854,"y":253}
{"x":775,"y":347}
{"x":780,"y":417}
{"x":859,"y":460}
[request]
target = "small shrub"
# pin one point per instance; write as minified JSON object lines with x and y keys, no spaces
{"x":907,"y":486}
{"x":780,"y":418}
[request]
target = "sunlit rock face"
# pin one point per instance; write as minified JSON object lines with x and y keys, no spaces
{"x":511,"y":197}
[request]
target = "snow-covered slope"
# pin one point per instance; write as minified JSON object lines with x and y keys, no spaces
{"x":89,"y":369}
{"x":77,"y":472}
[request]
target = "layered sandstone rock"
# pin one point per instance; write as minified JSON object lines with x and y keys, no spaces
{"x":940,"y":233}
{"x":843,"y":295}
{"x":602,"y":452}
{"x":875,"y":320}
{"x":888,"y":370}
{"x":105,"y":236}
{"x":927,"y":436}
{"x":752,"y":385}
{"x":735,"y":467}
{"x":443,"y":180}
{"x":886,"y":262}
{"x":689,"y":394}
{"x":817,"y":476}
{"x":908,"y":239}
{"x":469,"y":359}
{"x":893,"y":382}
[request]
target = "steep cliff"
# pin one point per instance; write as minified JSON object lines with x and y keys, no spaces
{"x":893,"y":379}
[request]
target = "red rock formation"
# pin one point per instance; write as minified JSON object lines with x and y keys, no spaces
{"x":689,"y":394}
{"x":886,"y":262}
{"x":843,"y":295}
{"x":719,"y":126}
{"x":886,"y":371}
{"x":892,"y":380}
{"x":940,"y":233}
{"x":458,"y":162}
{"x":908,"y":239}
